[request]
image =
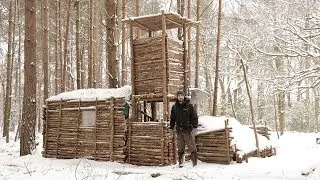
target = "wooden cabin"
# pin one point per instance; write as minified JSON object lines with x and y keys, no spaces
{"x":159,"y":68}
{"x":87,"y":123}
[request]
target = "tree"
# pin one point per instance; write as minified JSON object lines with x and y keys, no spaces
{"x":27,"y":141}
{"x":7,"y":108}
{"x":45,"y":48}
{"x":215,"y":92}
{"x":111,"y":46}
{"x":77,"y":4}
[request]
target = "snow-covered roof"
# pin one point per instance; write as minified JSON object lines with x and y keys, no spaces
{"x":244,"y":137}
{"x":153,"y":22}
{"x":93,"y":94}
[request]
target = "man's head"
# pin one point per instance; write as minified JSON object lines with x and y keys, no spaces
{"x":180,"y":96}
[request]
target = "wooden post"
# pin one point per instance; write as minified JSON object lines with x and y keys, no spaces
{"x":134,"y":106}
{"x":227,"y":139}
{"x":153,"y":111}
{"x":145,"y":110}
{"x":58,"y":135}
{"x":185,"y":60}
{"x":112,"y":129}
{"x":196,"y":80}
{"x":78,"y":124}
{"x":46,"y":131}
{"x":95,"y":132}
{"x":165,"y":83}
{"x":123,"y":47}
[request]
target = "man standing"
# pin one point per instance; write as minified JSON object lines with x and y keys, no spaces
{"x":184,"y":119}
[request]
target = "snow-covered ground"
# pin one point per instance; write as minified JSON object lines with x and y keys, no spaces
{"x":297,"y":154}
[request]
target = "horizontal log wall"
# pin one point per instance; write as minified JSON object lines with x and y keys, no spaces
{"x":148,"y":67}
{"x":66,"y":137}
{"x":215,"y":147}
{"x":145,"y":144}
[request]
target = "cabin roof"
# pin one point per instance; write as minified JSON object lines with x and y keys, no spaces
{"x":93,"y":94}
{"x":153,"y":22}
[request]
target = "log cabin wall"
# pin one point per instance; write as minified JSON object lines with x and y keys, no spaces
{"x":149,"y":69}
{"x":147,"y":147}
{"x":215,"y":146}
{"x":90,"y":129}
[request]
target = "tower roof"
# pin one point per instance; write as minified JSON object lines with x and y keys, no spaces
{"x":153,"y":22}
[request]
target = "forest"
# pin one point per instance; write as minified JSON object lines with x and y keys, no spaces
{"x":48,"y":47}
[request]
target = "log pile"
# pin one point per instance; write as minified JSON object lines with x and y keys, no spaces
{"x":215,"y":146}
{"x":263,"y":130}
{"x":148,"y":65}
{"x":66,"y":134}
{"x":266,"y":152}
{"x":149,"y":144}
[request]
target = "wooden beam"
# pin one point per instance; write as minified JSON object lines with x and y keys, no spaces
{"x":95,"y":131}
{"x":78,"y":124}
{"x":133,"y":77}
{"x":165,"y":82}
{"x":142,"y":26}
{"x":176,"y":23}
{"x":112,"y":129}
{"x":185,"y":60}
{"x":59,"y":124}
{"x":46,"y":133}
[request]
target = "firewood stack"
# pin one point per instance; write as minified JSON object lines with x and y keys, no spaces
{"x":215,"y":146}
{"x":149,"y":144}
{"x":66,"y":136}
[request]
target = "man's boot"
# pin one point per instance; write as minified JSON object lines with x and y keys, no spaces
{"x":180,"y":159}
{"x":194,"y":158}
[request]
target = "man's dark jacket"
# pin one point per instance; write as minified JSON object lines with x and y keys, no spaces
{"x":183,"y":116}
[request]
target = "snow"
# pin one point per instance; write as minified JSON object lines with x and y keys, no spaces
{"x":297,"y":154}
{"x":93,"y":94}
{"x":243,"y":136}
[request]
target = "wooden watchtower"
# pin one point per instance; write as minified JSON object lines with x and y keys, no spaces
{"x":158,"y":63}
{"x":159,"y":67}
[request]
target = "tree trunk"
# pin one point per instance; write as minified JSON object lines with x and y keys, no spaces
{"x":13,"y":122}
{"x":65,"y":51}
{"x":56,"y":49}
{"x":260,"y":100}
{"x":45,"y":48}
{"x":90,"y":51}
{"x":78,"y":66}
{"x":61,"y":60}
{"x":137,"y":12}
{"x":111,"y":46}
{"x":19,"y":81}
{"x":251,"y":107}
{"x":27,"y":141}
{"x":123,"y":46}
{"x":196,"y":80}
{"x":316,"y":109}
{"x":216,"y":79}
{"x":7,"y":106}
{"x":281,"y":94}
{"x":180,"y":10}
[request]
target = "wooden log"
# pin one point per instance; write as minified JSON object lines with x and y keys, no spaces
{"x":112,"y":131}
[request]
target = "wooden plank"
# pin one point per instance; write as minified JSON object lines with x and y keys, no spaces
{"x":46,"y":121}
{"x":185,"y":65}
{"x":112,"y":131}
{"x":57,"y":145}
{"x":165,"y":83}
{"x":227,"y":138}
